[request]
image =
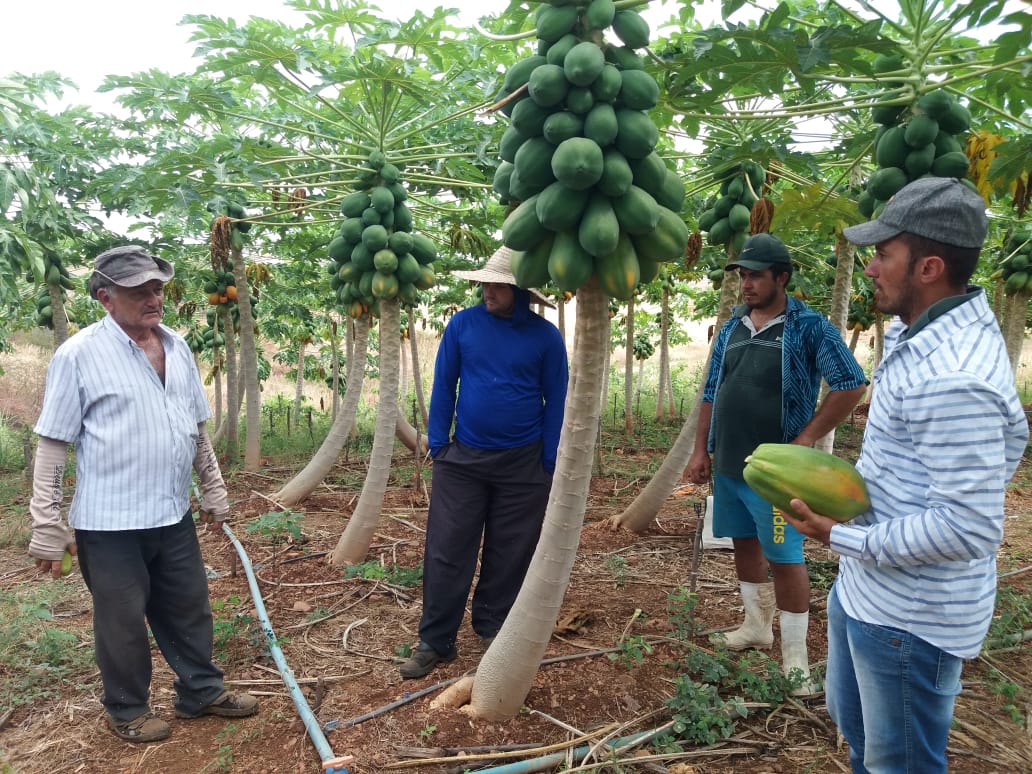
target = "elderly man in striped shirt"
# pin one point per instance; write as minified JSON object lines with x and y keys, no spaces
{"x":917,"y":573}
{"x":126,"y":392}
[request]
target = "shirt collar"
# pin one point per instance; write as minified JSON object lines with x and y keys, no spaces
{"x":938,"y":309}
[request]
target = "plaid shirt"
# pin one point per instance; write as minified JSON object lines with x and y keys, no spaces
{"x":812,"y":348}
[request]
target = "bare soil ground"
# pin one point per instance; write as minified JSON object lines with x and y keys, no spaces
{"x":339,"y":636}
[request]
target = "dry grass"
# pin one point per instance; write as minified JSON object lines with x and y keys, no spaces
{"x":22,"y":380}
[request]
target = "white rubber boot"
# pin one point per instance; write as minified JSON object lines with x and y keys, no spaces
{"x":793,"y":649}
{"x":758,"y":629}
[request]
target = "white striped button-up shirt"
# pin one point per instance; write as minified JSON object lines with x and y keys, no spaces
{"x":135,"y":438}
{"x":945,"y":433}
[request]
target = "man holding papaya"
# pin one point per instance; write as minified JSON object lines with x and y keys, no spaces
{"x":762,"y":386}
{"x":946,"y":430}
{"x":500,"y":379}
{"x":125,"y":390}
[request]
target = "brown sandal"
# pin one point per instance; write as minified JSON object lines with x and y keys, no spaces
{"x":147,"y":727}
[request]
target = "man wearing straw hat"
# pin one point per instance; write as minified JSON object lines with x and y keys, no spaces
{"x":501,"y":375}
{"x":126,"y":392}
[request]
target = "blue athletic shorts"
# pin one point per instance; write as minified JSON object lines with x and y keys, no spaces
{"x":738,"y":512}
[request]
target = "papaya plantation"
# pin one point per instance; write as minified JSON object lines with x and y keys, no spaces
{"x":332,"y":169}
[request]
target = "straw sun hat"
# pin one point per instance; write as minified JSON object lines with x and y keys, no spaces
{"x":497,"y":269}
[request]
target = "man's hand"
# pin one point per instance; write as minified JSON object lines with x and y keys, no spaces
{"x":698,"y":469}
{"x":812,"y":525}
{"x":53,"y":566}
{"x":213,"y":522}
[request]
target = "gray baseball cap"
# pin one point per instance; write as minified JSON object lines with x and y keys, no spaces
{"x":761,"y":252}
{"x":130,"y":266}
{"x":942,"y":209}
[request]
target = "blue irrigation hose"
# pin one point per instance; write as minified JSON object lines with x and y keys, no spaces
{"x":332,"y":764}
{"x":554,"y":759}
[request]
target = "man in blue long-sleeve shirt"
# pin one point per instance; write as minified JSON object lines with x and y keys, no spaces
{"x":500,"y":374}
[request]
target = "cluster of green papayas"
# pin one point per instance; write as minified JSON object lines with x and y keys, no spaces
{"x":579,"y":156}
{"x":726,"y":216}
{"x":56,"y":274}
{"x":710,"y":266}
{"x":374,"y":253}
{"x":200,"y":339}
{"x":1016,"y":267}
{"x":44,"y":310}
{"x":914,"y":142}
{"x":861,"y":314}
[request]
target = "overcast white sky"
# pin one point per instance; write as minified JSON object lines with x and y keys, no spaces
{"x":86,"y":40}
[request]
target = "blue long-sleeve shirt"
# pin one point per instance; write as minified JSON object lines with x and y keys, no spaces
{"x":502,"y":379}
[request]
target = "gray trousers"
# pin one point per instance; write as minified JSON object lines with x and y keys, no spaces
{"x":499,"y":496}
{"x":150,"y":576}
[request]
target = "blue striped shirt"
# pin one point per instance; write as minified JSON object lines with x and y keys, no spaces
{"x":811,"y":349}
{"x":944,"y":435}
{"x":135,"y":438}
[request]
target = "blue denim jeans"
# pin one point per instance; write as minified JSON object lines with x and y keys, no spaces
{"x":890,"y":693}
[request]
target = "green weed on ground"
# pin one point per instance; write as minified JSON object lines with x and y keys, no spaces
{"x":38,"y":657}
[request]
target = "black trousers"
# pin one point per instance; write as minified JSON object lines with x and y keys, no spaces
{"x":150,"y":576}
{"x":499,"y":496}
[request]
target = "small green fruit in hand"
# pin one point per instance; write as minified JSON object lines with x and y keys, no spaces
{"x":66,"y":563}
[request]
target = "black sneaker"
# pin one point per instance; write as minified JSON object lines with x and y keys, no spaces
{"x":423,"y":660}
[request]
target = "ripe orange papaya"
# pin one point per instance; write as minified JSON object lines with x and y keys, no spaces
{"x":779,"y":472}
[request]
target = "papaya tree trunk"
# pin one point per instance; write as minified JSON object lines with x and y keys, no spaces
{"x":1014,"y":318}
{"x":640,"y":513}
{"x":854,"y":339}
{"x":664,"y":399}
{"x":879,"y":349}
{"x":417,"y":370}
{"x":412,"y":439}
{"x":216,"y":380}
{"x":354,"y":543}
{"x":58,"y":316}
{"x":506,"y":672}
{"x":845,"y":260}
{"x":334,"y":369}
{"x":314,"y":473}
{"x":248,"y":366}
{"x":643,"y":509}
{"x":299,"y":382}
{"x":560,"y":308}
{"x":838,"y":315}
{"x":350,"y":340}
{"x":232,"y":386}
{"x":665,"y":348}
{"x":671,"y":403}
{"x":628,"y":411}
{"x":998,"y":301}
{"x":641,"y":378}
{"x":403,"y":385}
